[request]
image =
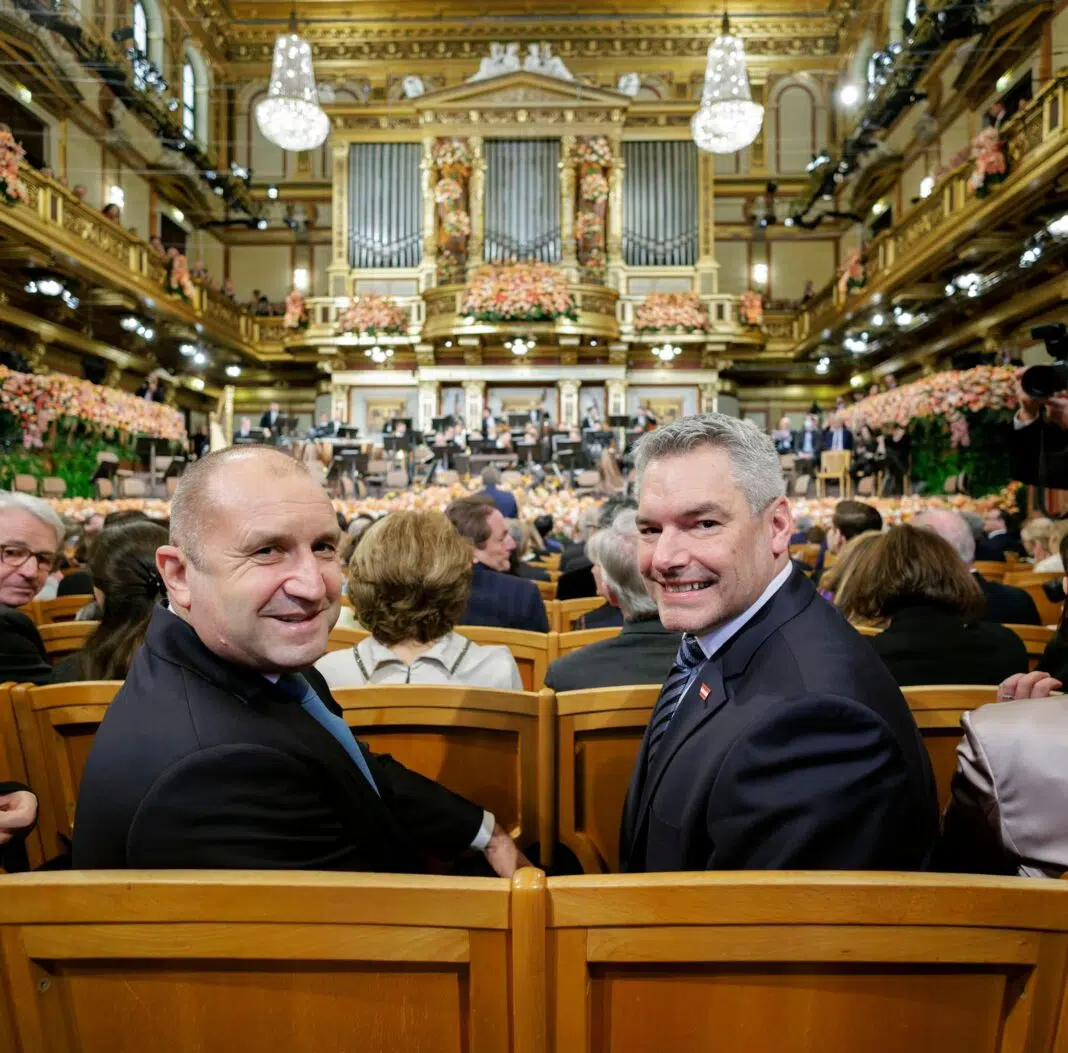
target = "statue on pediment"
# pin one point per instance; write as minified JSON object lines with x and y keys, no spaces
{"x":502,"y":59}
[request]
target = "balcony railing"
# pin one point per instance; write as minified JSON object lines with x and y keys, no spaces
{"x":901,"y":253}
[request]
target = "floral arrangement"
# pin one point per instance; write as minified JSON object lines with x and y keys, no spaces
{"x":852,"y":274}
{"x":587,"y":224}
{"x":592,"y":150}
{"x":12,"y":187}
{"x":447,"y":191}
{"x":178,"y":280}
{"x":664,"y":312}
{"x":296,"y":313}
{"x":532,"y":292}
{"x":991,"y":167}
{"x":943,"y":395}
{"x":456,"y":223}
{"x":594,"y":187}
{"x":374,"y":315}
{"x":451,"y":153}
{"x":593,"y":265}
{"x":752,"y":308}
{"x":450,"y":268}
{"x":36,"y":401}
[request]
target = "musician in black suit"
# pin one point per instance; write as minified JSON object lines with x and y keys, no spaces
{"x":644,"y":650}
{"x":224,"y":748}
{"x":18,"y":815}
{"x":779,"y":740}
{"x":997,"y":539}
{"x":269,"y":419}
{"x":497,"y":598}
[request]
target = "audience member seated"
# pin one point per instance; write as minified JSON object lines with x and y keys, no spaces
{"x":18,"y":814}
{"x":127,"y":589}
{"x":1041,"y":538}
{"x":644,"y":651}
{"x":850,"y":520}
{"x":1004,"y":603}
{"x":30,"y":538}
{"x":1055,"y":658}
{"x":544,"y":526}
{"x":497,"y":598}
{"x":834,"y":577}
{"x":113,"y":212}
{"x":997,"y":539}
{"x":520,"y":557}
{"x":576,"y":579}
{"x":1006,"y":812}
{"x":409,"y":582}
{"x":224,"y":748}
{"x":503,"y":501}
{"x":610,"y":478}
{"x":837,"y":436}
{"x":915,"y":579}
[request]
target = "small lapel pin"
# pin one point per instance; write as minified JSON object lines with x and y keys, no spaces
{"x":704,"y":691}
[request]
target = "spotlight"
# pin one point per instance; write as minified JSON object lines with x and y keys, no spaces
{"x":233,"y":371}
{"x":877,"y":320}
{"x":272,"y":192}
{"x":1059,"y":226}
{"x":261,"y":224}
{"x":50,"y":287}
{"x":187,"y":349}
{"x":131,"y":323}
{"x":200,"y":359}
{"x":849,"y":95}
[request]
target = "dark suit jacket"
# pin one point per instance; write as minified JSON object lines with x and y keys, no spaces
{"x":642,"y":653}
{"x":1055,"y":659}
{"x":529,"y":573}
{"x":604,"y":617}
{"x":22,"y":651}
{"x":574,"y":556}
{"x":80,"y":583}
{"x":1007,"y":604}
{"x":799,"y":442}
{"x":265,"y":420}
{"x":507,"y":602}
{"x":994,"y":548}
{"x":504,"y":501}
{"x":802,"y":754}
{"x":847,"y":439}
{"x":202,"y":763}
{"x":1038,"y":454}
{"x":13,"y":854}
{"x":926,"y":645}
{"x":577,"y":583}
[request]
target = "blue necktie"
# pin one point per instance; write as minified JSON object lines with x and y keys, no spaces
{"x":689,"y":658}
{"x":315,"y":707}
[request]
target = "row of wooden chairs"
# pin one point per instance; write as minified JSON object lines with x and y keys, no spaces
{"x":733,"y":962}
{"x":61,"y":609}
{"x":551,"y":767}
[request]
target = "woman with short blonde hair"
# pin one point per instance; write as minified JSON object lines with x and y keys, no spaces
{"x":409,"y":581}
{"x":1042,"y":538}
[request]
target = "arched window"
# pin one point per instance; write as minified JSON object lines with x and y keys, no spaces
{"x":189,"y":100}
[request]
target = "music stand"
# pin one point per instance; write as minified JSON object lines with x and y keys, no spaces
{"x":619,"y":421}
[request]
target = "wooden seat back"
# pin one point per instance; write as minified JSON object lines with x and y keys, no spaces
{"x":61,"y":609}
{"x":56,"y":725}
{"x":573,"y":641}
{"x":64,"y":638}
{"x":480,"y":743}
{"x":1036,"y":639}
{"x":532,"y":651}
{"x":246,"y":962}
{"x":806,"y":553}
{"x":341,"y":639}
{"x":13,"y":769}
{"x":598,"y":735}
{"x":937,"y":711}
{"x":991,"y":569}
{"x":805,"y":963}
{"x":565,"y":613}
{"x":1049,"y":613}
{"x":547,"y":589}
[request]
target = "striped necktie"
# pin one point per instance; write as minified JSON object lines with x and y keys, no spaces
{"x":690,"y":657}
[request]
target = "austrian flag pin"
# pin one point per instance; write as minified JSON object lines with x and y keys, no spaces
{"x":704,"y":691}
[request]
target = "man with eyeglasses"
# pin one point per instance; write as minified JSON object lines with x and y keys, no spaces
{"x":31,"y":535}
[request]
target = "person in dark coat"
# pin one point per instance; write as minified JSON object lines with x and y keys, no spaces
{"x":503,"y":501}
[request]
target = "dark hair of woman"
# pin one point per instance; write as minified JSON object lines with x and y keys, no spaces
{"x":123,"y":566}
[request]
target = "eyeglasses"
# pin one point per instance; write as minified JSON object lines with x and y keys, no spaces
{"x":16,"y":555}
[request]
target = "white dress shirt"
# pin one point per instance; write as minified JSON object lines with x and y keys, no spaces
{"x":452,"y":660}
{"x":717,"y":639}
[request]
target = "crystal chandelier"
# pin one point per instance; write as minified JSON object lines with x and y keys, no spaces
{"x":379,"y":355}
{"x":290,"y":116}
{"x":519,"y":346}
{"x":727,"y":120}
{"x":667,"y":352}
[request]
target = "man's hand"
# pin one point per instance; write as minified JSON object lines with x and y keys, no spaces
{"x":502,"y":854}
{"x":1028,"y":685}
{"x":17,"y":813}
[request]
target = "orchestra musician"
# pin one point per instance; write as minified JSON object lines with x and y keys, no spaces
{"x":269,"y":422}
{"x":646,"y":418}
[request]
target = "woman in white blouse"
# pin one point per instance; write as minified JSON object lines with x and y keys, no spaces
{"x":409,"y":581}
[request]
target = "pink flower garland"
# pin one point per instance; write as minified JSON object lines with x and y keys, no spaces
{"x":529,"y":291}
{"x":373,"y":314}
{"x":296,"y":314}
{"x":12,"y":188}
{"x":662,"y":312}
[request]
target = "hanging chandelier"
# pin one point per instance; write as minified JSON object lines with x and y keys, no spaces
{"x":290,"y":116}
{"x":727,"y":120}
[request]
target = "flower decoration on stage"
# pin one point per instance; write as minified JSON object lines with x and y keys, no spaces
{"x":38,"y":401}
{"x":751,"y":308}
{"x":991,"y":167}
{"x":456,"y":223}
{"x":947,"y":395}
{"x":447,"y":191}
{"x":587,"y":224}
{"x":594,"y":187}
{"x":451,"y":155}
{"x":667,"y":312}
{"x":532,"y":292}
{"x":852,"y":274}
{"x":593,"y":265}
{"x":11,"y":154}
{"x":296,"y":315}
{"x":592,"y":150}
{"x":373,"y":315}
{"x":178,"y":281}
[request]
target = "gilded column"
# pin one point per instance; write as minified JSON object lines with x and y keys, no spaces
{"x":568,"y":252}
{"x":428,"y":403}
{"x":478,"y":171}
{"x":338,"y":270}
{"x":428,"y":264}
{"x":228,"y":413}
{"x":758,"y":154}
{"x":707,"y":268}
{"x":709,"y":394}
{"x":569,"y":403}
{"x":474,"y":400}
{"x":340,"y":402}
{"x":614,"y":247}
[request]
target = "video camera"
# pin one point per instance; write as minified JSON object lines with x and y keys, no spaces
{"x":1043,"y":382}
